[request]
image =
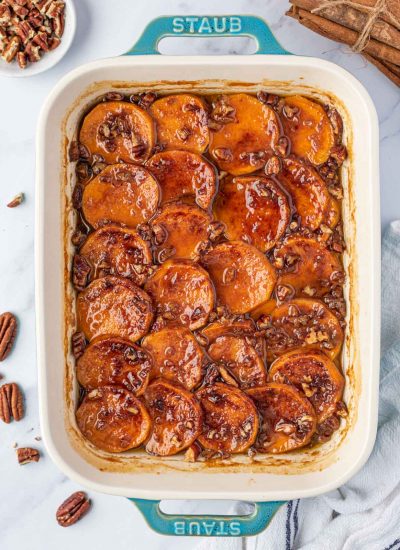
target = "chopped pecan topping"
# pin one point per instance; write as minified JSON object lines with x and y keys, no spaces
{"x":73,"y":509}
{"x":8,"y":331}
{"x":78,"y":344}
{"x":268,"y":99}
{"x":80,"y":272}
{"x":215,"y":230}
{"x":27,"y":454}
{"x":339,"y":154}
{"x":223,"y":153}
{"x":11,"y":403}
{"x":193,"y":453}
{"x":282,"y":147}
{"x":17,"y":200}
{"x":222,"y":112}
{"x":273,"y":166}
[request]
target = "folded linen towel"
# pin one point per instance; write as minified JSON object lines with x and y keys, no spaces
{"x":365,"y":512}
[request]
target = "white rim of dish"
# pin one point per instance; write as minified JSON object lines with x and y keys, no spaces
{"x":49,"y":59}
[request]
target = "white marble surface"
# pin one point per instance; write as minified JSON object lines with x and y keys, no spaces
{"x":29,"y":495}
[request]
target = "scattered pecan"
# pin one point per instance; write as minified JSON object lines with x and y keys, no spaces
{"x":290,"y":112}
{"x":80,"y":271}
{"x":146,"y":99}
{"x":183,"y":133}
{"x":281,"y":149}
{"x":273,"y":166}
{"x":223,"y":153}
{"x":336,"y":122}
{"x":8,"y":331}
{"x":73,"y":509}
{"x":27,"y":454}
{"x":78,"y":344}
{"x":215,"y":230}
{"x":223,"y":112}
{"x":268,"y":99}
{"x":11,"y":49}
{"x":17,"y":200}
{"x":11,"y":403}
{"x":339,"y":154}
{"x":192,"y":453}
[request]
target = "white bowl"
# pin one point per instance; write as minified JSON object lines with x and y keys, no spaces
{"x":49,"y":59}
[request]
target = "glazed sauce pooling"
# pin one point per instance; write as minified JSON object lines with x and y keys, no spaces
{"x":208,"y":271}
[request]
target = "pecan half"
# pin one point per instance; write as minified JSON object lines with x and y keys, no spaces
{"x":80,"y":272}
{"x":11,"y":403}
{"x":27,"y":454}
{"x":73,"y":509}
{"x":78,"y":344}
{"x":8,"y":331}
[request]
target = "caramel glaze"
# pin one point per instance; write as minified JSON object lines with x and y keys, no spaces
{"x":220,"y":257}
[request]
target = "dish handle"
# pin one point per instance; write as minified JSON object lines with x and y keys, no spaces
{"x":205,"y":26}
{"x":207,"y":526}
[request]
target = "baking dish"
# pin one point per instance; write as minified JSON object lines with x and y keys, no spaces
{"x":267,"y":480}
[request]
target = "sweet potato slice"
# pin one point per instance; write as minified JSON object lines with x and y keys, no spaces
{"x":114,"y":305}
{"x":122,"y":193}
{"x":230,"y":419}
{"x":113,"y":419}
{"x":176,"y":416}
{"x":119,"y":132}
{"x":288,"y":419}
{"x":254,"y":209}
{"x":228,"y":327}
{"x":313,"y":373}
{"x":181,"y":174}
{"x":113,"y":250}
{"x":308,"y":268}
{"x":307,"y":125}
{"x":113,"y":361}
{"x":183,"y":293}
{"x":177,"y":356}
{"x":303,"y":323}
{"x":182,"y":122}
{"x":310,"y":195}
{"x":240,"y":359}
{"x":242,"y":275}
{"x":244,"y":144}
{"x":184,"y":228}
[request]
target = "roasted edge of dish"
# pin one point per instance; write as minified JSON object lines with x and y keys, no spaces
{"x":301,"y":461}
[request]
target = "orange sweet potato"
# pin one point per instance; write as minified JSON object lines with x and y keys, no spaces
{"x":182,"y":292}
{"x":121,"y":193}
{"x":182,"y":122}
{"x":113,"y":250}
{"x":184,"y":174}
{"x":254,"y":209}
{"x":113,"y":419}
{"x":230,"y":422}
{"x":244,"y":144}
{"x":119,"y":132}
{"x":113,"y":361}
{"x":313,"y":373}
{"x":307,"y":126}
{"x":176,"y":416}
{"x":114,"y":305}
{"x":242,"y":275}
{"x":184,"y":229}
{"x":288,"y":419}
{"x":177,"y":356}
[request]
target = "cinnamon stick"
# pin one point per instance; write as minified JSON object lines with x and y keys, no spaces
{"x":384,"y":68}
{"x":337,"y":32}
{"x":392,"y":8}
{"x":353,"y":18}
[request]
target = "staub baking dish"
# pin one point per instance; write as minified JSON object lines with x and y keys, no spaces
{"x":266,"y":480}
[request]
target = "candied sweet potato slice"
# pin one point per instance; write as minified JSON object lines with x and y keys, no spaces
{"x":177,"y":356}
{"x":310,"y":195}
{"x":184,"y":229}
{"x":244,"y":144}
{"x":122,"y":193}
{"x":242,"y":275}
{"x":114,"y":250}
{"x":182,"y":122}
{"x":181,"y":174}
{"x":230,"y":419}
{"x":313,"y":373}
{"x":113,"y":361}
{"x":119,"y":132}
{"x":176,"y":416}
{"x":307,"y":125}
{"x":303,"y":323}
{"x":240,"y":359}
{"x":183,"y":293}
{"x":288,"y":419}
{"x":114,"y":305}
{"x":224,"y":327}
{"x":113,"y":419}
{"x":254,"y":209}
{"x":308,"y":268}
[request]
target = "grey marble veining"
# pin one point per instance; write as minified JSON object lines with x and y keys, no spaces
{"x":29,"y":495}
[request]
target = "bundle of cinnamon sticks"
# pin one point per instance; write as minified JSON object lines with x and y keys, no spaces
{"x":371,"y":27}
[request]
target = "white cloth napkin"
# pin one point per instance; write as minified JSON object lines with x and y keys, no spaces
{"x":363,"y":514}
